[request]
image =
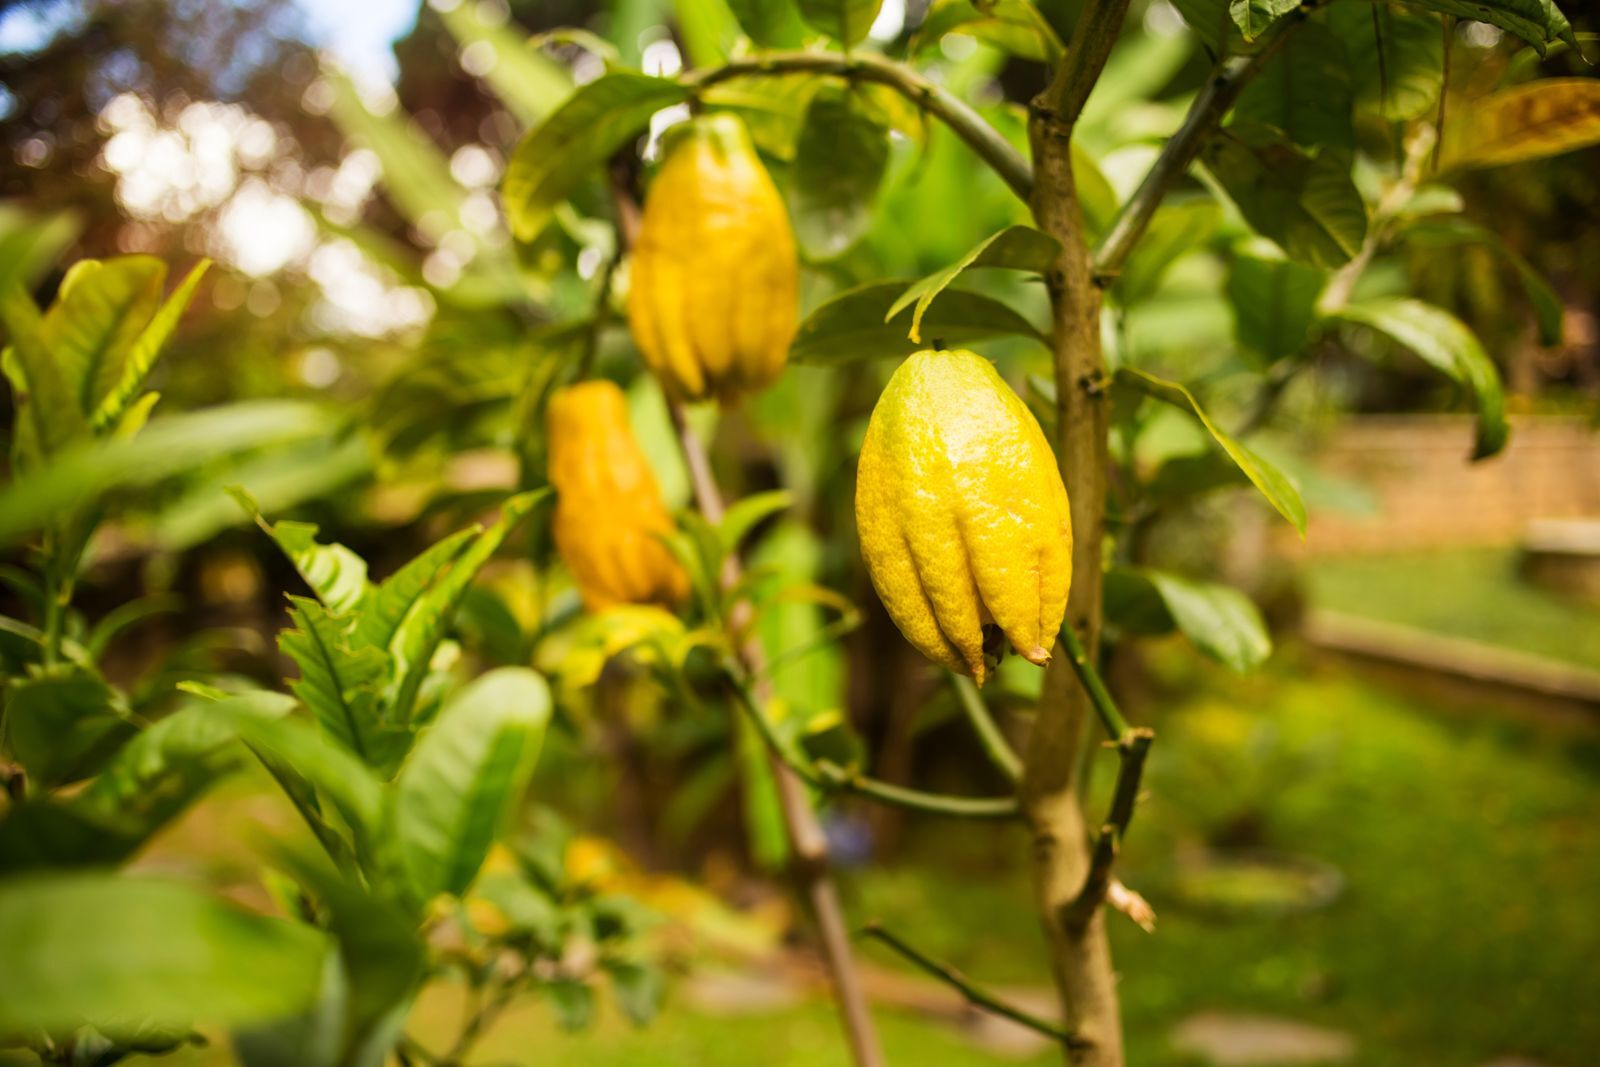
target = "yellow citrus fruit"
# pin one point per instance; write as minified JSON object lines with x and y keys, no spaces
{"x":962,"y":514}
{"x":712,"y":301}
{"x":609,"y":509}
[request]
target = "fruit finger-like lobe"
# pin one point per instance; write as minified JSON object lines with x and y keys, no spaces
{"x":712,"y":303}
{"x":962,"y":514}
{"x":609,"y":510}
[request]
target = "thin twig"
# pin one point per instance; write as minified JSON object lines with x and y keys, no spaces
{"x":978,"y":998}
{"x":1093,"y":35}
{"x":990,"y":145}
{"x":994,"y":742}
{"x":830,"y":777}
{"x":1205,"y":113}
{"x":1093,"y":685}
{"x":1133,"y":748}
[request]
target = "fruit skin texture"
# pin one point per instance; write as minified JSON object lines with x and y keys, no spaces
{"x":608,"y":505}
{"x":713,"y":297}
{"x":962,"y":514}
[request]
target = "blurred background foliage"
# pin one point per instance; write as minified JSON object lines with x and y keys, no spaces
{"x":340,"y":164}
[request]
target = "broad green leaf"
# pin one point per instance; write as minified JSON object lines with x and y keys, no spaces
{"x":341,"y":684}
{"x":745,"y":515}
{"x":1534,"y":121}
{"x":839,"y":163}
{"x":169,"y":446}
{"x":1274,"y":300}
{"x":1014,"y":26}
{"x":46,"y":392}
{"x":846,"y":21}
{"x":335,"y":574}
{"x":769,"y":23}
{"x":123,"y":379}
{"x":125,"y":954}
{"x":572,"y":1001}
{"x":425,"y":625}
{"x":389,"y":602}
{"x":101,"y":309}
{"x":1254,"y":16}
{"x":527,"y":82}
{"x":1013,"y":248}
{"x":707,"y":29}
{"x":62,"y":726}
{"x":30,"y":242}
{"x":416,"y":174}
{"x":331,"y":768}
{"x":1212,"y":22}
{"x":1217,"y":619}
{"x":1273,"y":483}
{"x":852,"y":325}
{"x":1445,"y":343}
{"x":1304,"y":90}
{"x":467,"y":770}
{"x":1177,"y":228}
{"x":1536,"y":21}
{"x":576,"y":140}
{"x":638,"y":988}
{"x":1395,"y":59}
{"x":53,"y":834}
{"x":1547,"y":307}
{"x":1307,"y":203}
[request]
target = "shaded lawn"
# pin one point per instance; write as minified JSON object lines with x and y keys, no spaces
{"x":1466,"y":931}
{"x":1473,"y":593}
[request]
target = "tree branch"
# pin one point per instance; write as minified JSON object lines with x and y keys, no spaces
{"x":1096,"y":31}
{"x":1205,"y":114}
{"x":978,"y":998}
{"x":994,"y":742}
{"x":1092,"y":683}
{"x":990,"y":145}
{"x":1133,"y":748}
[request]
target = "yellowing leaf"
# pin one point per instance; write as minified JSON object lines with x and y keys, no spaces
{"x":1545,"y":118}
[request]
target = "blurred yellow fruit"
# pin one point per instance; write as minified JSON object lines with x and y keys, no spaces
{"x":608,"y":506}
{"x":712,"y":302}
{"x":962,"y":514}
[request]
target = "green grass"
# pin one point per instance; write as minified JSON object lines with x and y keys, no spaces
{"x":1473,"y":593}
{"x":1466,"y":930}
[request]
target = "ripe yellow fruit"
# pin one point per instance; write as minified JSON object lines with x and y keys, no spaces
{"x":962,"y":514}
{"x":609,"y":509}
{"x":712,"y":301}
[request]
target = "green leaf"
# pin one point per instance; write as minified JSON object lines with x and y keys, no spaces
{"x":707,"y":29}
{"x":30,"y":242}
{"x":852,"y":326}
{"x":638,"y":988}
{"x":1548,"y":310}
{"x":425,"y":625}
{"x":1013,"y":248}
{"x":1395,"y":60}
{"x":467,"y":770}
{"x":1304,"y":90}
{"x":102,"y":307}
{"x":1177,"y":228}
{"x":839,"y":163}
{"x":125,"y":954}
{"x":1544,"y":118}
{"x":49,"y":834}
{"x":1254,"y":16}
{"x":61,"y":727}
{"x":169,"y":446}
{"x":527,"y":82}
{"x":846,"y":21}
{"x":1274,"y":300}
{"x":1217,"y":619}
{"x":745,"y":515}
{"x":1535,"y":21}
{"x":45,"y":391}
{"x":1306,"y":203}
{"x":388,"y":604}
{"x":1014,"y":26}
{"x":572,"y":1001}
{"x":582,"y":134}
{"x":1273,"y":483}
{"x":125,"y":377}
{"x":1096,"y":196}
{"x":769,"y":23}
{"x":335,"y":574}
{"x":1212,"y":22}
{"x":329,"y":767}
{"x":1445,"y":343}
{"x":340,"y":684}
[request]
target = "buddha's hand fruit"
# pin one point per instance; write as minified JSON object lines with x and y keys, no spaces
{"x":609,"y":510}
{"x":712,"y":300}
{"x":962,"y":514}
